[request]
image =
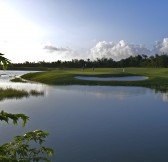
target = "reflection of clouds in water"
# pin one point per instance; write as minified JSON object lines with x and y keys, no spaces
{"x":165,"y":97}
{"x":6,"y":76}
{"x":117,"y":92}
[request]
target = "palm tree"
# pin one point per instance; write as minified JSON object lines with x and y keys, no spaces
{"x":4,"y":61}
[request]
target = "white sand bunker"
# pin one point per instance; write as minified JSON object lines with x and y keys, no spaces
{"x":124,"y":78}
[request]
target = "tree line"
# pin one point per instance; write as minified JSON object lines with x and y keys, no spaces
{"x":154,"y":61}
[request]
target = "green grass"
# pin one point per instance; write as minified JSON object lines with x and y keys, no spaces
{"x":10,"y":93}
{"x":36,"y":93}
{"x":158,"y":77}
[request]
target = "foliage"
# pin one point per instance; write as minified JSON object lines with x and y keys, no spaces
{"x":132,"y":61}
{"x":20,"y":150}
{"x":14,"y":117}
{"x":4,"y":61}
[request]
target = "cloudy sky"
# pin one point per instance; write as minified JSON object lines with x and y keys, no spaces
{"x":37,"y":30}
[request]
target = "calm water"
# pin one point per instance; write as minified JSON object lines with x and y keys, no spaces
{"x":96,"y":123}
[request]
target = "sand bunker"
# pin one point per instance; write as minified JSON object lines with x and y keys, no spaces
{"x":124,"y":78}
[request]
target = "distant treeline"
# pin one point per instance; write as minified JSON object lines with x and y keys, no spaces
{"x":155,"y":61}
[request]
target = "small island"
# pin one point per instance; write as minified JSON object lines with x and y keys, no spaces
{"x":157,"y":78}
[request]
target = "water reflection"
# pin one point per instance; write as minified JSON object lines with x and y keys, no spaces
{"x":6,"y":76}
{"x":100,"y":91}
{"x":96,"y":123}
{"x":165,"y":97}
{"x":119,"y":92}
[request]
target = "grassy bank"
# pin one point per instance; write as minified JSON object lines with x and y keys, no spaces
{"x":18,"y":80}
{"x":158,"y":77}
{"x":10,"y":93}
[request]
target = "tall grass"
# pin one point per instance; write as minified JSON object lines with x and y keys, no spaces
{"x":10,"y":93}
{"x":36,"y":93}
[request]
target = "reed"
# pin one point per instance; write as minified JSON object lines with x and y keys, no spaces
{"x":10,"y":93}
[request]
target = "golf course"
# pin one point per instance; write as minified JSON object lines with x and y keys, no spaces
{"x":157,"y":77}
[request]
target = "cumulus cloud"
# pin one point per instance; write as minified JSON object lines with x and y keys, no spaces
{"x":161,"y":47}
{"x":157,"y":47}
{"x":117,"y":51}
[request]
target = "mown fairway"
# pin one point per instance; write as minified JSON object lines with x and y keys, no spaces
{"x":158,"y":77}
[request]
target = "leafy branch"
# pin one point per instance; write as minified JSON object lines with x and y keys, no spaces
{"x":19,"y":149}
{"x":4,"y":61}
{"x":14,"y":117}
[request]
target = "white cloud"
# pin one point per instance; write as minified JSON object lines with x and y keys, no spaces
{"x":117,"y":51}
{"x":160,"y":47}
{"x":157,"y":47}
{"x":164,"y":47}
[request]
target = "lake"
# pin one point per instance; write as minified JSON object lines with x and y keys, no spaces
{"x":94,"y":123}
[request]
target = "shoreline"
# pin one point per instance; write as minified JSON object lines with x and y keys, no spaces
{"x":157,"y":78}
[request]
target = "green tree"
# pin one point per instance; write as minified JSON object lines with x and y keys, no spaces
{"x":20,"y":148}
{"x":4,"y":61}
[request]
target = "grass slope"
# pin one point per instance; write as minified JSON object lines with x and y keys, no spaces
{"x":158,"y":77}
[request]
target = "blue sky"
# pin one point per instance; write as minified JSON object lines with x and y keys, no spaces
{"x":79,"y":25}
